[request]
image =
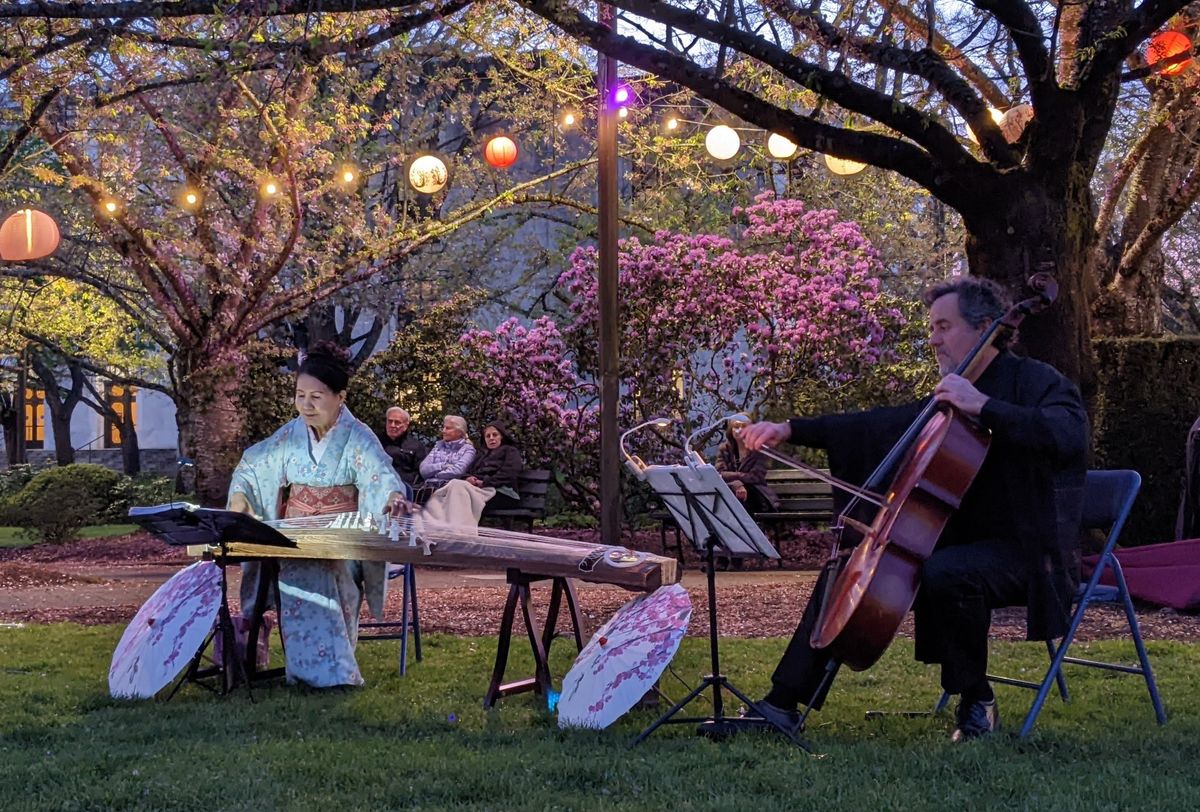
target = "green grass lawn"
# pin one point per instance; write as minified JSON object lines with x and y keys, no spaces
{"x":13,"y":537}
{"x":424,"y":741}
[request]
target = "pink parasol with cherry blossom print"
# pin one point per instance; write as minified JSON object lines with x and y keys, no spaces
{"x":624,"y":658}
{"x":166,"y":633}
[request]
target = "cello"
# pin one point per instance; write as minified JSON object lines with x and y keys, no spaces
{"x":934,"y":464}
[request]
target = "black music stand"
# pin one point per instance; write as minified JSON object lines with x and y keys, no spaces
{"x":711,"y":517}
{"x":181,"y":524}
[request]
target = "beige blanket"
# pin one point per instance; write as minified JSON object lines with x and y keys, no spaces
{"x":458,"y":503}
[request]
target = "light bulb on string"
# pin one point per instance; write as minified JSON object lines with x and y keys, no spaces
{"x":780,"y":147}
{"x":722,"y":142}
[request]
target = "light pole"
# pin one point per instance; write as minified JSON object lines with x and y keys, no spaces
{"x":609,"y":351}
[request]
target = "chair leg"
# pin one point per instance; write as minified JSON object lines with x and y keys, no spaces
{"x":411,"y":585}
{"x":1059,"y":678}
{"x":404,"y":596}
{"x":408,"y":603}
{"x":1159,"y":712}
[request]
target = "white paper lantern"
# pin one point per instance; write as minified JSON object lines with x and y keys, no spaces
{"x":722,"y":142}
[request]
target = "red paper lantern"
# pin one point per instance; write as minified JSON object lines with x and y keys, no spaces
{"x":28,"y":234}
{"x":501,"y":152}
{"x":1165,"y":45}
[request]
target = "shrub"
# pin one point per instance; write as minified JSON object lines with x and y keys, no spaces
{"x":1148,"y":391}
{"x":14,"y":478}
{"x":144,"y":489}
{"x":58,"y":501}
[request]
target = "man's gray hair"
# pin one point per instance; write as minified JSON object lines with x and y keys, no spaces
{"x":403,"y":412}
{"x":979,"y":300}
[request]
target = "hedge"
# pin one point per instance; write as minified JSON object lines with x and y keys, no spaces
{"x":1148,"y":398}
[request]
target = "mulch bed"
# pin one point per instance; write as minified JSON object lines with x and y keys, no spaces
{"x":759,"y":610}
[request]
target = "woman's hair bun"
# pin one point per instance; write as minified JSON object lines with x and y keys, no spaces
{"x":329,"y":363}
{"x":330,"y":350}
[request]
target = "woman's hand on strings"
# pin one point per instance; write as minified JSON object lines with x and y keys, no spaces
{"x":758,"y":435}
{"x":397,"y":506}
{"x":961,"y":394}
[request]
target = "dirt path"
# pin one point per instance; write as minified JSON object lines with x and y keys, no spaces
{"x":106,"y":580}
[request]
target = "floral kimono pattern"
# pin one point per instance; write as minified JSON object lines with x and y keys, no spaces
{"x":319,"y":600}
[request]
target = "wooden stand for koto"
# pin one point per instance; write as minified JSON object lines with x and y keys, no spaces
{"x":539,"y":639}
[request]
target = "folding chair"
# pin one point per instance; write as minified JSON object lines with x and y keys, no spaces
{"x":1108,"y":496}
{"x":410,"y":620}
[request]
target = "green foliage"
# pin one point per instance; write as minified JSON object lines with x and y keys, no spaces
{"x":268,"y":390}
{"x":14,"y":478}
{"x":1148,"y":395}
{"x":55,"y":503}
{"x":424,"y":741}
{"x":419,"y":369}
{"x":144,"y":489}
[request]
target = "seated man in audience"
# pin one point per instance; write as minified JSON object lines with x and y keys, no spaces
{"x":406,"y":450}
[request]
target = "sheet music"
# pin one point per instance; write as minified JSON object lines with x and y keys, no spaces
{"x":683,"y":487}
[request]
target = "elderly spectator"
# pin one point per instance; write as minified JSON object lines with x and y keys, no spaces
{"x":406,"y":450}
{"x":450,"y":456}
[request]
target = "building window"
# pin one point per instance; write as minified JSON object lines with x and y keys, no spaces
{"x":123,"y":401}
{"x":35,"y":418}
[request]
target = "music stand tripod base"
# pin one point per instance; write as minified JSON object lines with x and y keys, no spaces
{"x":711,"y":516}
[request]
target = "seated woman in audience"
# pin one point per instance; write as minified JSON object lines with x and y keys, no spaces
{"x":498,"y":466}
{"x":745,"y":472}
{"x":450,"y":456}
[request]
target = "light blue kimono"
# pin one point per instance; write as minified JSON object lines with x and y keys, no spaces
{"x":319,"y":600}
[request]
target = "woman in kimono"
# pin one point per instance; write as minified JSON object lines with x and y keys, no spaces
{"x":324,"y":461}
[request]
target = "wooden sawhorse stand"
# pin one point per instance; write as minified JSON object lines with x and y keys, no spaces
{"x":539,"y":639}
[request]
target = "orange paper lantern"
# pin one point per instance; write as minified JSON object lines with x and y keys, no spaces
{"x":1165,"y":45}
{"x":28,"y":234}
{"x":501,"y":152}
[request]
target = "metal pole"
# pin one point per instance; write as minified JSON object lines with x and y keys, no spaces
{"x":610,"y":353}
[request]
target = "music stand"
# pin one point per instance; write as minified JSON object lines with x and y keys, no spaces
{"x":180,"y":524}
{"x":711,"y":517}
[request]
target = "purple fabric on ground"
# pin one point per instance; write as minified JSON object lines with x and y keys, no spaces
{"x":1164,"y":574}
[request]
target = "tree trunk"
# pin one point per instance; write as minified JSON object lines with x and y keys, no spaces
{"x":61,"y":403}
{"x":1038,"y":231}
{"x":210,"y":418}
{"x":131,"y":455}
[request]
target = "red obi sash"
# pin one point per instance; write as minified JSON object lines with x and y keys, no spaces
{"x":311,"y":500}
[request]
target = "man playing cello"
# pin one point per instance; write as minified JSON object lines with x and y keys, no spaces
{"x":1013,"y":540}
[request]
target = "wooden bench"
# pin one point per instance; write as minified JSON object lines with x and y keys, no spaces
{"x":803,"y":499}
{"x":532,"y":489}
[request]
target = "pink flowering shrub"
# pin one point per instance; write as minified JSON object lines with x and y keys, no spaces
{"x":710,"y":324}
{"x":714,"y":324}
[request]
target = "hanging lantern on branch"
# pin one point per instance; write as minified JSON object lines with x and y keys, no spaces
{"x":843,"y":166}
{"x":28,"y":234}
{"x":500,"y":152}
{"x":1014,"y":121}
{"x":428,"y":173}
{"x":1165,"y":45}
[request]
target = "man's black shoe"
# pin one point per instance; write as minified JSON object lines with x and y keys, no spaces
{"x":975,"y":719}
{"x":772,"y":718}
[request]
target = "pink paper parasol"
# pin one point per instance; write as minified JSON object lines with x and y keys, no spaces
{"x":166,"y":632}
{"x":624,"y":658}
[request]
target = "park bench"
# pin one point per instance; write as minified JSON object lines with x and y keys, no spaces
{"x":803,"y":499}
{"x":531,"y":488}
